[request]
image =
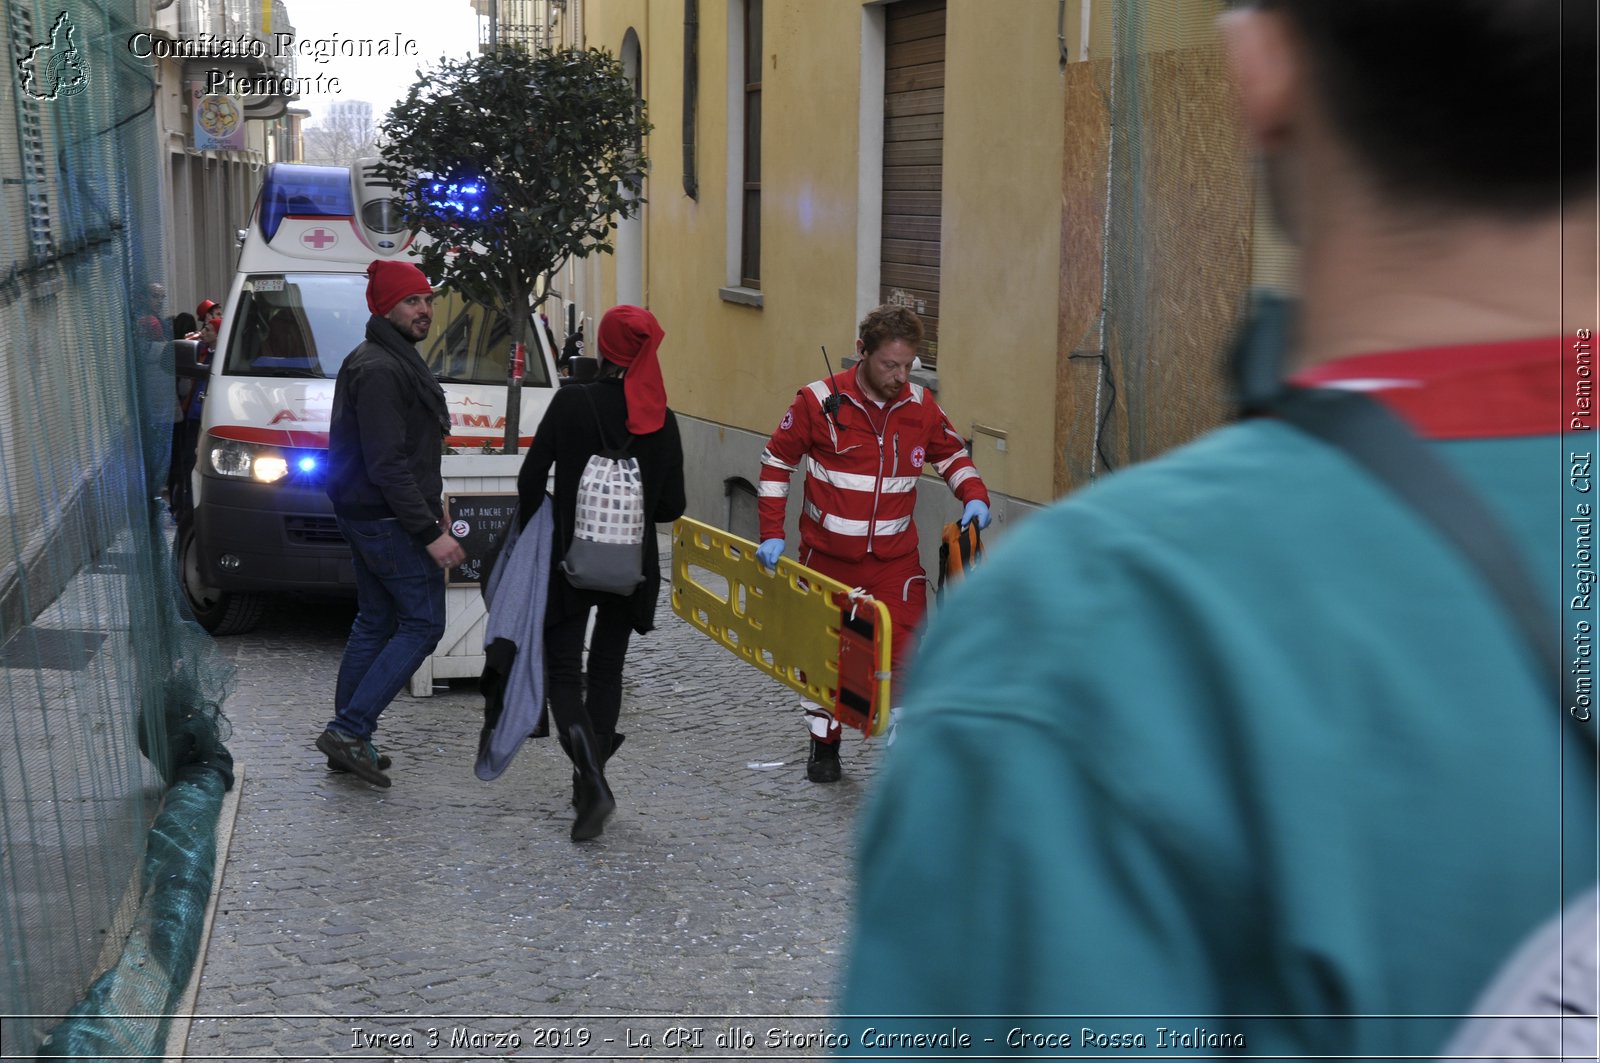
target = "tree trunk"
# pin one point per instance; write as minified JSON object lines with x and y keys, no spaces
{"x":515,"y":367}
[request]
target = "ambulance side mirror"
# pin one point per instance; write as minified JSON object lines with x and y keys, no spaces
{"x":186,"y":360}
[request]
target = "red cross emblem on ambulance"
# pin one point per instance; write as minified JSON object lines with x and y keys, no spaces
{"x":319,"y":239}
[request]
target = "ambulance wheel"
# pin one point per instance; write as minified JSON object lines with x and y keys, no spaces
{"x":219,"y":612}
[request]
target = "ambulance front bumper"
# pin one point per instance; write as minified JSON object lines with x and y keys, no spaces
{"x":270,"y":538}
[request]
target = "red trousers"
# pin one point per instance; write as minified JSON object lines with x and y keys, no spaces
{"x":899,"y":583}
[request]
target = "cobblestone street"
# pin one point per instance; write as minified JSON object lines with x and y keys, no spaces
{"x":363,"y":923}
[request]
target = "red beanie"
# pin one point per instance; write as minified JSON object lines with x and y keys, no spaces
{"x":389,"y":281}
{"x":629,"y":336}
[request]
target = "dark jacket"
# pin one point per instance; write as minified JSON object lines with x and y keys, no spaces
{"x":566,"y":438}
{"x":386,"y":435}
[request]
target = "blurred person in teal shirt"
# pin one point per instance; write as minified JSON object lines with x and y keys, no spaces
{"x":1234,"y":745}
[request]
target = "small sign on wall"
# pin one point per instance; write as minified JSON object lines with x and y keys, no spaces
{"x":478,"y":522}
{"x":218,"y":120}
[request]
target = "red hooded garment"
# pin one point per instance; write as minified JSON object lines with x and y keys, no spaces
{"x":629,"y":336}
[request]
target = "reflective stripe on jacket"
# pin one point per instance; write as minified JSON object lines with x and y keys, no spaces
{"x":862,"y":467}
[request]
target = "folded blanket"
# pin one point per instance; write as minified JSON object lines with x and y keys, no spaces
{"x":516,"y":591}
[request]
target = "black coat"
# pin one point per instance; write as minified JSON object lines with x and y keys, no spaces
{"x":566,"y":438}
{"x":386,"y":434}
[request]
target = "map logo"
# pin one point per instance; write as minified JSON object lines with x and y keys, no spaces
{"x":56,"y":68}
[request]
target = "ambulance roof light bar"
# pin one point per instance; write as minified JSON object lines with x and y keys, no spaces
{"x":304,"y":191}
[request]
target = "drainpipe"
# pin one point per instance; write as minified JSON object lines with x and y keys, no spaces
{"x":691,"y":94}
{"x":1061,"y":31}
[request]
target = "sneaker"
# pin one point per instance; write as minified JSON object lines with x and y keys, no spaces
{"x":355,"y":754}
{"x":383,"y":762}
{"x":823,"y":764}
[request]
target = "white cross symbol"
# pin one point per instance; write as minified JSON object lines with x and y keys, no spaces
{"x":318,"y":238}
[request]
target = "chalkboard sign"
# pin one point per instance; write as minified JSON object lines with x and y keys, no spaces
{"x":477,"y":522}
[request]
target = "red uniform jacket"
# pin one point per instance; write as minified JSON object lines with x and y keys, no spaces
{"x":861,"y":469}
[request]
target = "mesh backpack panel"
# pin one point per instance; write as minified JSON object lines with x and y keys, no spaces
{"x":607,"y":551}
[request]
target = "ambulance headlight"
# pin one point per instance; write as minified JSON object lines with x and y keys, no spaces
{"x":270,"y":468}
{"x":248,"y":461}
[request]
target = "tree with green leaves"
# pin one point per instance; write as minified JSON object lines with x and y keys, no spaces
{"x":511,"y":163}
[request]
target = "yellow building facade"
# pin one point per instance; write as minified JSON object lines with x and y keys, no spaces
{"x":1058,"y":186}
{"x":984,"y":78}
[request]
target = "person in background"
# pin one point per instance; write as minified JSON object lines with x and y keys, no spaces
{"x":1235,"y":731}
{"x":209,"y":316}
{"x":572,"y":348}
{"x":152,"y":326}
{"x":385,"y":439}
{"x":549,"y":335}
{"x":627,"y":402}
{"x":208,"y":312}
{"x":154,"y":361}
{"x":864,"y":438}
{"x":190,"y":408}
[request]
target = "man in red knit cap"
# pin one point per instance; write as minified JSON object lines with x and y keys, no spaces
{"x":386,"y":434}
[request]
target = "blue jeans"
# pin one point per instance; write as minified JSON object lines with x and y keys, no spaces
{"x":399,"y":619}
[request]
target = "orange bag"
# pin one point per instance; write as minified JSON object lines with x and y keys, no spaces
{"x":960,"y":550}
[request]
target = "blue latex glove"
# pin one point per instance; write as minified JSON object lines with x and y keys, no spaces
{"x":976,"y":511}
{"x":767,"y":553}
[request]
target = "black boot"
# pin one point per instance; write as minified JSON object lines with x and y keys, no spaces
{"x":566,"y":747}
{"x":608,"y":743}
{"x":823,"y":764}
{"x":593,"y":797}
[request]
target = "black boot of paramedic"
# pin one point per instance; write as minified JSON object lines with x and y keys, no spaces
{"x":823,"y":764}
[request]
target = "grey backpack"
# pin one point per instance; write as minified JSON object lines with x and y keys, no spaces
{"x":607,"y":551}
{"x":1541,"y":1004}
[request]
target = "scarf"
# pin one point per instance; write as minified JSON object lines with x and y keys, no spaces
{"x":629,"y":336}
{"x":381,"y":330}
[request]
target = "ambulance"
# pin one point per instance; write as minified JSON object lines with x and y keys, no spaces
{"x":259,"y":522}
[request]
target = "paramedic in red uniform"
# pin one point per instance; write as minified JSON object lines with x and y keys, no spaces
{"x":863,"y":453}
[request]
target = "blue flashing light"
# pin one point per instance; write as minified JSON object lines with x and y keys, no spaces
{"x":306,"y":467}
{"x":468,"y":197}
{"x":305,"y":191}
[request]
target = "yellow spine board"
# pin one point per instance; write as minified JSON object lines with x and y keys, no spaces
{"x":786,"y":622}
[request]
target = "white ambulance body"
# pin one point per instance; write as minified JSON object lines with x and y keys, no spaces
{"x":261,"y":520}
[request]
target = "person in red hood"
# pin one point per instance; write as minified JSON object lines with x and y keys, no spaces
{"x":627,"y":402}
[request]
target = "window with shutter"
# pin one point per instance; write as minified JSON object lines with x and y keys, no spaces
{"x":913,"y":156}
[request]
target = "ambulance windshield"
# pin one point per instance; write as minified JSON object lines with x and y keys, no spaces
{"x":297,"y":324}
{"x":470,"y":346}
{"x":305,"y":324}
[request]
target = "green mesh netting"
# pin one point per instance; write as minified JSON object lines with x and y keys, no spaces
{"x":109,"y":699}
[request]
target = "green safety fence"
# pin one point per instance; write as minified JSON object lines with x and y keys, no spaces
{"x":113,"y":762}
